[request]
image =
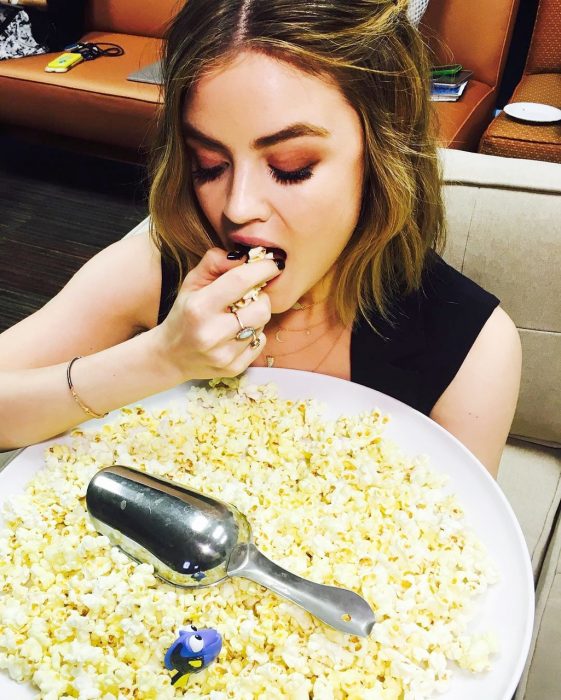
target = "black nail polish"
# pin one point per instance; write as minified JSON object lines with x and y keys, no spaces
{"x":280,"y":264}
{"x":235,"y":254}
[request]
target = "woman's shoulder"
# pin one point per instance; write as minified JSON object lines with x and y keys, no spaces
{"x":445,"y":300}
{"x":443,"y":285}
{"x":452,"y":307}
{"x":430,"y":332}
{"x":126,"y":277}
{"x":139,"y":259}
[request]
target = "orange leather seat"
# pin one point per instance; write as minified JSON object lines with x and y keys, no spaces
{"x":541,"y":82}
{"x":95,"y":107}
{"x":476,"y":34}
{"x":94,"y":102}
{"x":460,"y":123}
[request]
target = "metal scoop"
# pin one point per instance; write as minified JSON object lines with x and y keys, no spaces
{"x":194,"y":541}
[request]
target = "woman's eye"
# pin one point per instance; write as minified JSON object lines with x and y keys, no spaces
{"x":290,"y":177}
{"x":202,"y":175}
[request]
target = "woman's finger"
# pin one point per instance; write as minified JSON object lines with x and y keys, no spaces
{"x":213,"y":265}
{"x":248,"y":355}
{"x":255,"y":315}
{"x":227,"y":358}
{"x":231,"y":286}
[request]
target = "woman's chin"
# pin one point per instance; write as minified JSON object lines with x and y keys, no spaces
{"x":282,"y":295}
{"x":281,"y":305}
{"x":281,"y":301}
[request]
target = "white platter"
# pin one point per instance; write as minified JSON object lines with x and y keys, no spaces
{"x":508,"y":606}
{"x":533,"y":112}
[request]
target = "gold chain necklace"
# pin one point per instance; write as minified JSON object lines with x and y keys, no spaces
{"x":271,"y":358}
{"x":307,"y":330}
{"x":302,"y":307}
{"x":329,"y":351}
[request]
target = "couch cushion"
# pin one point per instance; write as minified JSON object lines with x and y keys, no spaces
{"x":110,"y":108}
{"x":461,"y":123}
{"x":540,"y":680}
{"x":530,"y":476}
{"x":131,"y":16}
{"x":503,"y":231}
{"x":545,"y":50}
{"x":508,"y":137}
{"x":463,"y":32}
{"x":471,"y":33}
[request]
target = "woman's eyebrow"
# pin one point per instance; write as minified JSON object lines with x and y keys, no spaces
{"x":190,"y":132}
{"x":290,"y":132}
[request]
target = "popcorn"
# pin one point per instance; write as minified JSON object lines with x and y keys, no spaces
{"x":259,"y":253}
{"x":334,"y":501}
{"x":253,"y":255}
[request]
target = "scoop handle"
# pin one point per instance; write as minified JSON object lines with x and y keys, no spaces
{"x":339,"y":608}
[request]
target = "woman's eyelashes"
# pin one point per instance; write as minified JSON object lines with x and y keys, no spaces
{"x":202,"y":175}
{"x":289,"y":177}
{"x":284,"y":177}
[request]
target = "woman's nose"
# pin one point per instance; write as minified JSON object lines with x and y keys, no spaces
{"x":246,"y":199}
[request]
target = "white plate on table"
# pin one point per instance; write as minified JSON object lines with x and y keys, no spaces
{"x":533,"y":112}
{"x":507,"y":607}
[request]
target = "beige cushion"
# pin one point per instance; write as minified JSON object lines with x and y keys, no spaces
{"x":504,"y":231}
{"x":540,"y":680}
{"x":504,"y":228}
{"x":530,"y":476}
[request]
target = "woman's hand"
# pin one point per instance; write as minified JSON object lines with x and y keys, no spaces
{"x":198,"y":338}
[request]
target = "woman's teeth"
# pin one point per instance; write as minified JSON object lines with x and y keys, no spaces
{"x":259,"y":253}
{"x":278,"y":253}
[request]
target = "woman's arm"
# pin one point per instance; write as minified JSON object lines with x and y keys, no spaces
{"x":107,"y":313}
{"x":478,"y":406}
{"x":97,"y":314}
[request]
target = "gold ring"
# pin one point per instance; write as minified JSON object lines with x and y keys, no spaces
{"x":240,"y":324}
{"x":246,"y":332}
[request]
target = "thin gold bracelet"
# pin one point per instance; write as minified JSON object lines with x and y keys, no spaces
{"x":75,"y":395}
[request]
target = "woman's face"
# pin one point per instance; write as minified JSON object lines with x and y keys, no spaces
{"x":277,"y":159}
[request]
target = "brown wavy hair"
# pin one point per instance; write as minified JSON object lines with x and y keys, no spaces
{"x":370,"y":50}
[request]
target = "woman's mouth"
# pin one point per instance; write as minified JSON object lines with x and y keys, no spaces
{"x":278,"y":254}
{"x":255,"y":254}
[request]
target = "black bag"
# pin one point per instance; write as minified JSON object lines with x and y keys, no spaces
{"x":18,"y":37}
{"x":29,"y":31}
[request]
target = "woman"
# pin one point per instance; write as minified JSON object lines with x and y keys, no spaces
{"x":303,"y":128}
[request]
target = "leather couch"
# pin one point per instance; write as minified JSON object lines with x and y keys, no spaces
{"x":504,"y":231}
{"x":477,"y":35}
{"x":94,"y":107}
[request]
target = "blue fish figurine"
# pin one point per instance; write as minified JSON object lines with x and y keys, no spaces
{"x":192,"y":652}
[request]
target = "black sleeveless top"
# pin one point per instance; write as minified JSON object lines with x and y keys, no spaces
{"x":415,"y":359}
